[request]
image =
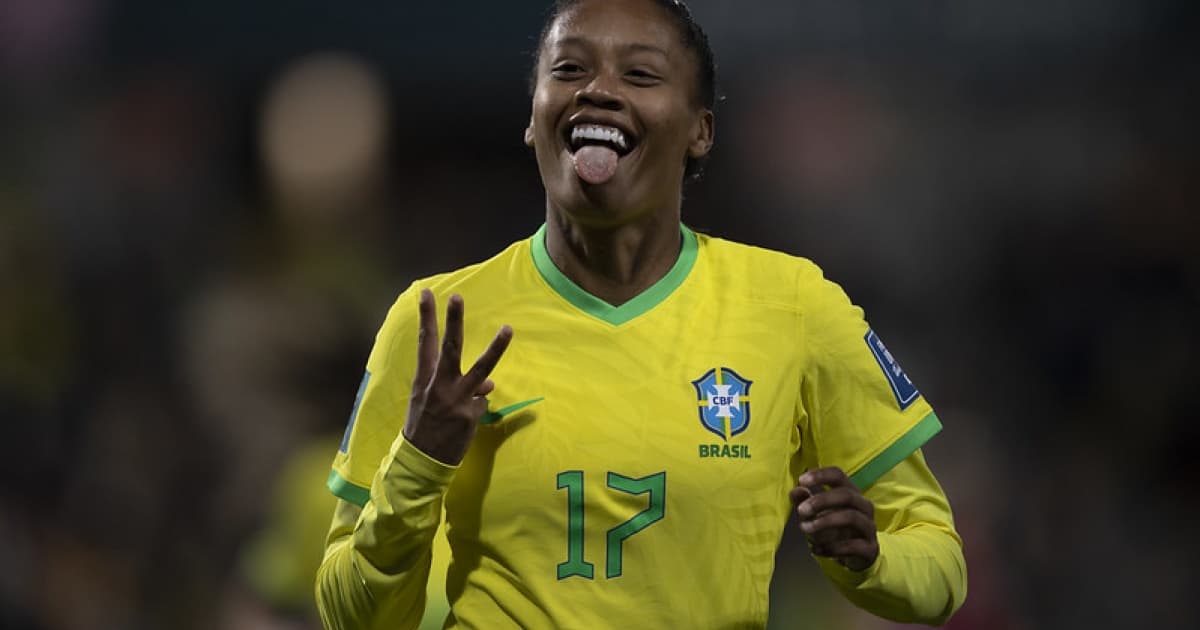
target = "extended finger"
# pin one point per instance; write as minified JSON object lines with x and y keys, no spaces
{"x":487,"y":361}
{"x":837,"y":498}
{"x":831,"y":476}
{"x":427,"y":339}
{"x":450,"y":363}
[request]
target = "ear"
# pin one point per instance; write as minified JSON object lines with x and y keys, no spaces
{"x":702,"y":135}
{"x":529,"y":134}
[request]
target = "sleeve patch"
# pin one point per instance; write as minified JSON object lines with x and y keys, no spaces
{"x":902,"y":387}
{"x":362,"y":388}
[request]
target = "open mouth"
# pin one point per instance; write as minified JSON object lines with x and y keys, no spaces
{"x":584,"y":134}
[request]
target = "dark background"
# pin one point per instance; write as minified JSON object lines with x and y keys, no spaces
{"x":207,"y":207}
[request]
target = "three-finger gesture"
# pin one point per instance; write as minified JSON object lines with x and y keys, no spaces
{"x":837,"y":519}
{"x":446,"y":404}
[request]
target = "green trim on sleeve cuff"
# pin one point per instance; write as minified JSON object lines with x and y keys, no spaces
{"x":908,"y":443}
{"x":347,"y":491}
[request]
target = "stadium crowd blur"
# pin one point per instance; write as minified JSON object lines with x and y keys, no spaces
{"x":207,"y":207}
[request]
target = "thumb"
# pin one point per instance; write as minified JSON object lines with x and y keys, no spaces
{"x":799,"y":494}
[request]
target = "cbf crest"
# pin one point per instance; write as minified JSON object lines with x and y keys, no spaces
{"x":724,"y":401}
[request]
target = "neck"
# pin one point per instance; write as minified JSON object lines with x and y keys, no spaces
{"x":613,"y":263}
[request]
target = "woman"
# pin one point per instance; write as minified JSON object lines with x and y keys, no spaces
{"x":668,"y":398}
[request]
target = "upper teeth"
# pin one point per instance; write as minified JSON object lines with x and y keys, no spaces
{"x":599,"y":132}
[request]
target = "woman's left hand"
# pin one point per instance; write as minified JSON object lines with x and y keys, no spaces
{"x":837,"y":519}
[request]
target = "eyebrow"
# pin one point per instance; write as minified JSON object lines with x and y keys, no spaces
{"x":632,"y":47}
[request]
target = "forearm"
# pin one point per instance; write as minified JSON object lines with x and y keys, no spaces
{"x":349,"y":598}
{"x":376,"y":563}
{"x":920,"y":575}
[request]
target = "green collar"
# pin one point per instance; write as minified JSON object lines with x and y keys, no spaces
{"x":598,"y":308}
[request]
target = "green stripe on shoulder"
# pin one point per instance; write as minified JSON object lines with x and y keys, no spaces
{"x":347,"y":491}
{"x":908,"y":443}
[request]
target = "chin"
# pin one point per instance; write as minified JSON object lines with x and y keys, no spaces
{"x":604,"y":205}
{"x":594,"y":210}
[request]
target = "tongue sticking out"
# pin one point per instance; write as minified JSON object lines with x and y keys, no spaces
{"x":595,"y":164}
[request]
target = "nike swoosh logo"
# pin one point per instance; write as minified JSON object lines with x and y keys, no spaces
{"x":493,"y":417}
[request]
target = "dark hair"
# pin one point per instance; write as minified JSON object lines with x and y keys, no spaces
{"x":694,"y":39}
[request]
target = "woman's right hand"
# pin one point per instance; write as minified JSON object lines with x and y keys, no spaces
{"x":446,"y":405}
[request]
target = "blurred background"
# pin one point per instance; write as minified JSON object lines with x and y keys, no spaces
{"x":207,"y":207}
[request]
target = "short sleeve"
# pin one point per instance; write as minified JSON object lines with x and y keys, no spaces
{"x":381,"y":403}
{"x":858,"y":409}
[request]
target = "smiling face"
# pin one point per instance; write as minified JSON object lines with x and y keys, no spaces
{"x":616,"y":74}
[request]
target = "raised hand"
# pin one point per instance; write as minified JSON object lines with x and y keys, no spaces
{"x":446,"y":404}
{"x":839,"y":521}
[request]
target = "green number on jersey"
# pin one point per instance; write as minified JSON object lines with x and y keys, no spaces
{"x":656,"y":485}
{"x":572,"y":481}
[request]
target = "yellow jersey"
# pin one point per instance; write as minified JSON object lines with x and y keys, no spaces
{"x":635,"y":463}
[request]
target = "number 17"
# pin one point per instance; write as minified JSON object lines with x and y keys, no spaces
{"x":572,"y":482}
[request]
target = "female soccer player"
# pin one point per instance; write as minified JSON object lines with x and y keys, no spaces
{"x":667,"y":400}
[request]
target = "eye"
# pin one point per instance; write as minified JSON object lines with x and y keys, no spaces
{"x":566,"y":70}
{"x":642,"y":77}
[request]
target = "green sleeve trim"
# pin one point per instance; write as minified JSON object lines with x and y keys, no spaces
{"x":908,"y":443}
{"x":347,"y":491}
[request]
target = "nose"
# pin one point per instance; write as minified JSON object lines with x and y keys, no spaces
{"x":601,"y":92}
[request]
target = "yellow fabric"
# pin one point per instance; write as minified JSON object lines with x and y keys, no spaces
{"x":378,"y":559}
{"x":920,"y":575}
{"x":680,"y":521}
{"x":436,"y":605}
